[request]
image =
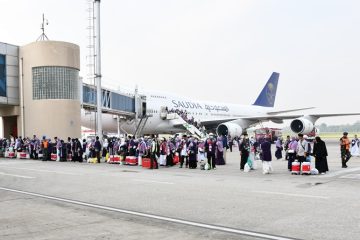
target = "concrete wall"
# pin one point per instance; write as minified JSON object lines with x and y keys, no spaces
{"x":50,"y":117}
{"x":7,"y":111}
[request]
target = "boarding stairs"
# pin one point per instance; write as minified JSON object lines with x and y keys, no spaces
{"x":140,"y":126}
{"x":178,"y":120}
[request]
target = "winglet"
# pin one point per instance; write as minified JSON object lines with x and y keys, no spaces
{"x":268,"y":94}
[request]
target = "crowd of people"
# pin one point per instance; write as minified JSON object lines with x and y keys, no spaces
{"x":190,"y":120}
{"x":301,"y":150}
{"x":297,"y":148}
{"x":43,"y":148}
{"x":191,"y":151}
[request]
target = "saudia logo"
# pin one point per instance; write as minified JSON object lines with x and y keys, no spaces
{"x":186,"y":105}
{"x":192,"y":105}
{"x":270,"y":93}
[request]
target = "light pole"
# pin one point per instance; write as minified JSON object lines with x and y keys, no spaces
{"x":98,"y":70}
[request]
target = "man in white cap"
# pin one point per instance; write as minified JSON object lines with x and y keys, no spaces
{"x":302,"y":149}
{"x":210,"y":147}
{"x":308,"y":153}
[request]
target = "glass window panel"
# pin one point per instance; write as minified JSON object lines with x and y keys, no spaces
{"x":2,"y":76}
{"x":55,"y":83}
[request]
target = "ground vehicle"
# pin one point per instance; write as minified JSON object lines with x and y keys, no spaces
{"x":271,"y":133}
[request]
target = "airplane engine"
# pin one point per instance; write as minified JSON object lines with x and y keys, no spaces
{"x":229,"y":128}
{"x":301,"y":125}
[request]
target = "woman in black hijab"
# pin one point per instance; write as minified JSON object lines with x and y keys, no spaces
{"x":320,"y":154}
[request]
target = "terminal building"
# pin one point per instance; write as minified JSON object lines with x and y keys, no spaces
{"x":9,"y":88}
{"x":42,"y":94}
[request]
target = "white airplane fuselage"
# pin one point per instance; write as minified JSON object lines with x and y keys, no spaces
{"x":227,"y":119}
{"x":200,"y":110}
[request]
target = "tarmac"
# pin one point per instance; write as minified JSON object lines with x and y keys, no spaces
{"x":56,"y":200}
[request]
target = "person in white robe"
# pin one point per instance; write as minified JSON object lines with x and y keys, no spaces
{"x":354,"y":149}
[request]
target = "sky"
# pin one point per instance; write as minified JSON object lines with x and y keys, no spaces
{"x":218,"y":50}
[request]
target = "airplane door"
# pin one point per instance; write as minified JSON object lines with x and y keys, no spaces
{"x":163,"y":112}
{"x":143,"y":108}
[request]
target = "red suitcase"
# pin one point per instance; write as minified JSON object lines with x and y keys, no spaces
{"x":114,"y":159}
{"x":176,"y":159}
{"x":306,"y":168}
{"x":131,"y":160}
{"x":11,"y":155}
{"x":22,"y":155}
{"x":146,"y":163}
{"x":53,"y":157}
{"x":295,"y":168}
{"x":69,"y":157}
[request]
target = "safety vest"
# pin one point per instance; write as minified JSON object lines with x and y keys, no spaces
{"x":45,"y":144}
{"x":345,"y":143}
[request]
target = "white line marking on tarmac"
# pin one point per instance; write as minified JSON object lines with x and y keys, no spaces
{"x":40,"y":170}
{"x":351,"y":176}
{"x":16,"y":162}
{"x":151,"y":181}
{"x":152,"y":216}
{"x":14,"y":175}
{"x":291,"y":194}
{"x":337,"y":173}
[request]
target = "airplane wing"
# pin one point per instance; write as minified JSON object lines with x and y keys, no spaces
{"x":274,"y":118}
{"x":289,"y":110}
{"x":287,"y":117}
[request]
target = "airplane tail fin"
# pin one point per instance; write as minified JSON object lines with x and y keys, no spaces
{"x":268,"y":94}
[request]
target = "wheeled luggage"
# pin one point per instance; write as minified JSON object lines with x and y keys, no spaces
{"x":53,"y":157}
{"x":162,"y":160}
{"x":295,"y":167}
{"x":9,"y":154}
{"x":131,"y":160}
{"x":40,"y":154}
{"x":176,"y":159}
{"x":114,"y":159}
{"x":202,"y":165}
{"x":146,"y":163}
{"x":23,"y":155}
{"x":306,"y":168}
{"x":92,"y":160}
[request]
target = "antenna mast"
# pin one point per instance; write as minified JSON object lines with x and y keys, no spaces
{"x":43,"y":36}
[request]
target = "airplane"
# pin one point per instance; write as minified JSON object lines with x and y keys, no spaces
{"x":222,"y":118}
